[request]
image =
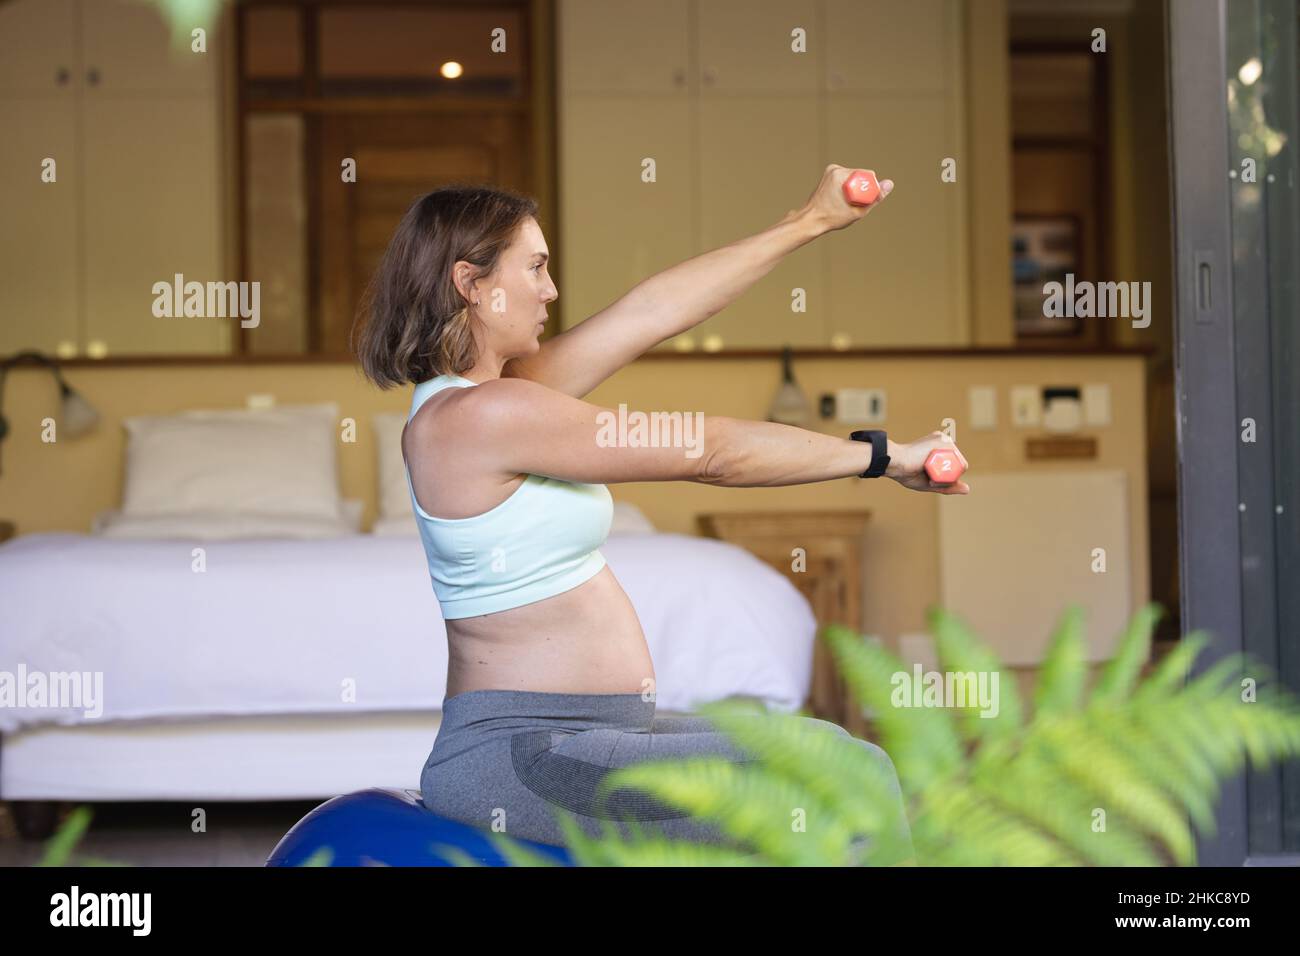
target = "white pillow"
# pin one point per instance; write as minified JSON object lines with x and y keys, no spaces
{"x":219,"y":527}
{"x":394,"y":496}
{"x":275,"y":461}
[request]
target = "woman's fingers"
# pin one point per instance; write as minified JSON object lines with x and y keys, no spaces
{"x":950,"y":488}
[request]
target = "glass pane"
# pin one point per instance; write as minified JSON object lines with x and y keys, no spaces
{"x":275,"y":222}
{"x":396,"y":50}
{"x":1262,"y":96}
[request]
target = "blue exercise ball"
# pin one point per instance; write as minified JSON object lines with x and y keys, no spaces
{"x":380,"y":827}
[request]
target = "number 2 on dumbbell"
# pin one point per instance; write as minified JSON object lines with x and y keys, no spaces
{"x":862,"y":188}
{"x":943,"y":466}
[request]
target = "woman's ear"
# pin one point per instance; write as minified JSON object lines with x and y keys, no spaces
{"x":463,"y":277}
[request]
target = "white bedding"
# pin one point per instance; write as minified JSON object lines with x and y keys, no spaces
{"x":292,"y":626}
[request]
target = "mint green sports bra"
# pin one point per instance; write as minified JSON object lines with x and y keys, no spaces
{"x":539,"y":542}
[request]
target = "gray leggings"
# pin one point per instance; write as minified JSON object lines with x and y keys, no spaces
{"x":519,"y":757}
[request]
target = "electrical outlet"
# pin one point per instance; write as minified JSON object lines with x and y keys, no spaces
{"x":261,"y":401}
{"x":1026,"y":406}
{"x":860,"y":406}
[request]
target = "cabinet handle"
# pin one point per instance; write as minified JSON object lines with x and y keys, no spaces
{"x":62,"y":76}
{"x":710,"y":76}
{"x":92,"y":76}
{"x":837,"y":80}
{"x":679,"y":77}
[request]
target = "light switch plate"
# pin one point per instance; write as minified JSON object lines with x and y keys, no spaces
{"x":1026,"y":406}
{"x":983,"y":406}
{"x":1096,"y":404}
{"x":860,"y":406}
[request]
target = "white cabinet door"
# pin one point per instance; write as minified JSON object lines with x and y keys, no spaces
{"x":898,"y":277}
{"x":38,"y":227}
{"x":129,"y":46}
{"x":874,"y":46}
{"x":748,"y":143}
{"x":151,"y":211}
{"x":760,"y":157}
{"x":38,"y":51}
{"x":618,"y":229}
{"x":623,"y":46}
{"x":746,"y":46}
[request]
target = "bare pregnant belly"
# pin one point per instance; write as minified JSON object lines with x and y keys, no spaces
{"x":587,"y":640}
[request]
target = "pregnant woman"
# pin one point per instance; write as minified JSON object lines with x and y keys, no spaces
{"x":550,"y":682}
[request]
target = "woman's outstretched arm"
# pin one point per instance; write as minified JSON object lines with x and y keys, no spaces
{"x":683,"y":296}
{"x":506,"y":427}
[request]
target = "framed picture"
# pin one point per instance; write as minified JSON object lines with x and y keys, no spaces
{"x":1043,"y":249}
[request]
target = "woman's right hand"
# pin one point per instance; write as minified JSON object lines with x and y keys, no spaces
{"x":827,"y":206}
{"x":907,"y":465}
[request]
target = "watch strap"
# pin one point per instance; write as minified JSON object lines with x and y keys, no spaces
{"x":879,"y":451}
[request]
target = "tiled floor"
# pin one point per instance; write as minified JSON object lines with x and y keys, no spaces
{"x":161,"y":834}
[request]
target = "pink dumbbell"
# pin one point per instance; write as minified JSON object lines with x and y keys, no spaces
{"x":943,"y":466}
{"x":862,"y":187}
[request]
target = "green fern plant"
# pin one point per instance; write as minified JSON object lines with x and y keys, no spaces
{"x":1117,"y":775}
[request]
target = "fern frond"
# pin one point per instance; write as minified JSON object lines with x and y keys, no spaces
{"x":455,"y":855}
{"x":959,"y":651}
{"x":1173,"y":670}
{"x":58,"y":849}
{"x":783,"y":820}
{"x":960,"y":826}
{"x":1121,"y":672}
{"x":1107,"y":778}
{"x":1188,"y":781}
{"x":516,"y":853}
{"x":847,"y":774}
{"x":923,"y":742}
{"x":1064,"y":669}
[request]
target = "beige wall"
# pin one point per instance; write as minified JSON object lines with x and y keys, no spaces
{"x":61,"y":486}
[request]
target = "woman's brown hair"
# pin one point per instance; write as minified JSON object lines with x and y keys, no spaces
{"x":413,"y":324}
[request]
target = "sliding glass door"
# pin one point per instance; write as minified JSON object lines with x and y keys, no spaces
{"x":1233,"y":97}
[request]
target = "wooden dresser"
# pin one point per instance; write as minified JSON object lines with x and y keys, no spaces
{"x":831,"y":579}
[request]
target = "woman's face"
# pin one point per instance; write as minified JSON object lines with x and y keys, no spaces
{"x":512,"y":299}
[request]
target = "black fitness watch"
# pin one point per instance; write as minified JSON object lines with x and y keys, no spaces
{"x":879,"y":451}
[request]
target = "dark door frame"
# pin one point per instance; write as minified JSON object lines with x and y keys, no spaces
{"x":1206,"y":350}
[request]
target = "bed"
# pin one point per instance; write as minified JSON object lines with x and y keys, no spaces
{"x":271,"y":668}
